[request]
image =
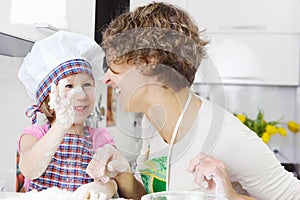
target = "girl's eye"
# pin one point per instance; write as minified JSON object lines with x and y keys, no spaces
{"x":87,"y":85}
{"x":69,"y":86}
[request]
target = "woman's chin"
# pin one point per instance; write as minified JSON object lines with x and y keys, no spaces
{"x":126,"y":108}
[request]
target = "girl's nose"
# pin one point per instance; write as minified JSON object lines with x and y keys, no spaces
{"x":79,"y":93}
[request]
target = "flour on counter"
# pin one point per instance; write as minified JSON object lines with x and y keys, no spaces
{"x":58,"y":194}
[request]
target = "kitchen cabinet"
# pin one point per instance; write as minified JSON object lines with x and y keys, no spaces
{"x":254,"y":15}
{"x":35,"y":19}
{"x":251,"y":58}
{"x":252,"y":42}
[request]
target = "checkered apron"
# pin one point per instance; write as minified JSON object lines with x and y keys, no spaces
{"x":67,"y":169}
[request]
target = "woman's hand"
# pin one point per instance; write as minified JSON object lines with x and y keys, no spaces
{"x":211,"y":175}
{"x":107,"y":163}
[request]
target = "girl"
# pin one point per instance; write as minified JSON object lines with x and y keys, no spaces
{"x":59,"y":73}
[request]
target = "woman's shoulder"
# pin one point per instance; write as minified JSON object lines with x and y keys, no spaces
{"x":215,"y":110}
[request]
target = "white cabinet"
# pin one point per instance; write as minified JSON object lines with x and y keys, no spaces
{"x":251,"y":15}
{"x":264,"y":59}
{"x":252,"y":42}
{"x":35,"y":19}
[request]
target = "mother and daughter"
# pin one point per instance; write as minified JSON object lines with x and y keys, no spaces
{"x":189,"y":143}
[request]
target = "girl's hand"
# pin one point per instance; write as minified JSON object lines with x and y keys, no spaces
{"x":96,"y":190}
{"x":107,"y":163}
{"x":61,"y":103}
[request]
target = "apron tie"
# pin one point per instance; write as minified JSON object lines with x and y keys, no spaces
{"x":31,"y":112}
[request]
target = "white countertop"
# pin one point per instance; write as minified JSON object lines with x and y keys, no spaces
{"x":9,"y":195}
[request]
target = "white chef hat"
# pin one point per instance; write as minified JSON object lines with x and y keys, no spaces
{"x":55,"y":57}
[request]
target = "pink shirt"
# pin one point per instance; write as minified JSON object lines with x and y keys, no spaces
{"x":99,"y":137}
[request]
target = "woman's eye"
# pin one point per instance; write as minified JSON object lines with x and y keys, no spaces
{"x":69,"y":86}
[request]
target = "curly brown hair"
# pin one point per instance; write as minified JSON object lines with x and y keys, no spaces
{"x":161,"y":32}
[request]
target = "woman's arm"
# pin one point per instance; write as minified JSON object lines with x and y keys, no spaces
{"x":250,"y":162}
{"x":129,"y":187}
{"x":211,"y":175}
{"x":107,"y":163}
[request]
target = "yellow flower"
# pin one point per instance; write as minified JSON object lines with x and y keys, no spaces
{"x":272,"y":130}
{"x":265,"y":129}
{"x":282,"y":131}
{"x":241,"y":117}
{"x":266,"y":137}
{"x":293,"y":126}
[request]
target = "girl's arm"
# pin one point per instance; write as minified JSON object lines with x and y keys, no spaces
{"x":35,"y":155}
{"x":110,"y":189}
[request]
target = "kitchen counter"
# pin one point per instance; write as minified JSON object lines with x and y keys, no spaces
{"x":9,"y":195}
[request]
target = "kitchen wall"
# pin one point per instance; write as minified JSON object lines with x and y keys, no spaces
{"x":13,"y":101}
{"x":297,"y":140}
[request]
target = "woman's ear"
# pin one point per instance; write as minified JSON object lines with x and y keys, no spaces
{"x":152,"y":59}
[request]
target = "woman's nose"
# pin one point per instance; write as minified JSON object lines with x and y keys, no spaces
{"x":106,"y":79}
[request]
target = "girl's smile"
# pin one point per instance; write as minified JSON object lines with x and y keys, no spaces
{"x":82,"y":90}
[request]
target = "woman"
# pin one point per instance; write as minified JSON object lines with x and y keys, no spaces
{"x":153,"y":54}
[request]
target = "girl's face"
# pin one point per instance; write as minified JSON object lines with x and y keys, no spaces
{"x":83,"y":98}
{"x":129,"y":84}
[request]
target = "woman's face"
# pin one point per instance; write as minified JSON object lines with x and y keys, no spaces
{"x":83,"y":98}
{"x":129,"y":84}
